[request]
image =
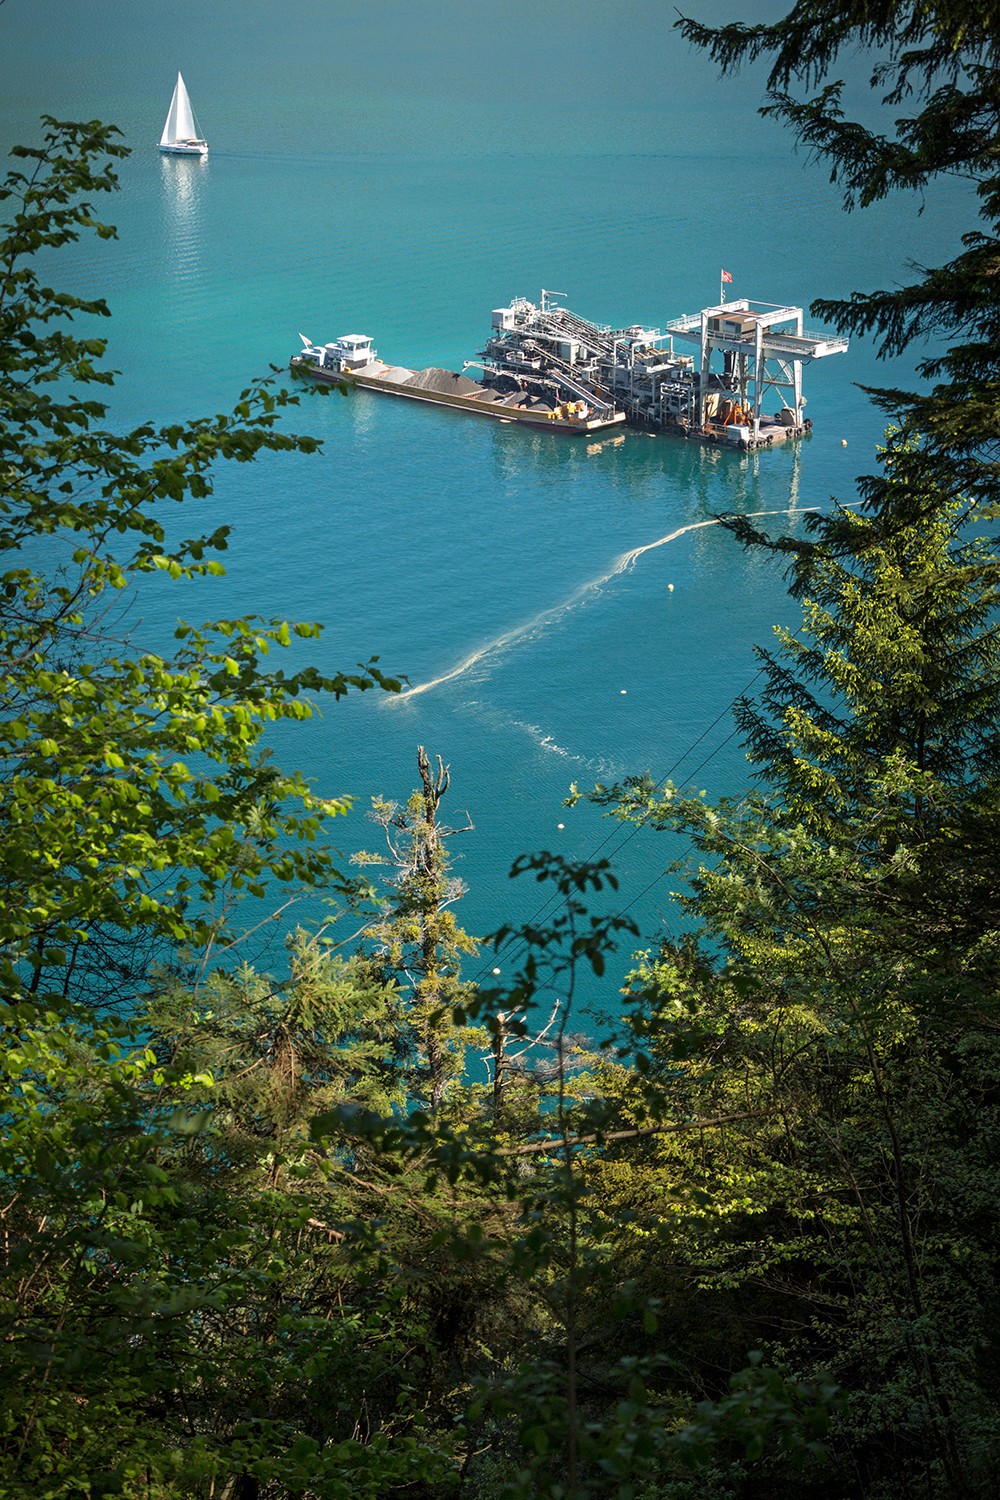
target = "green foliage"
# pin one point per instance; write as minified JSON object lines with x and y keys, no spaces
{"x":171,"y":1323}
{"x":134,"y":801}
{"x":274,"y":1054}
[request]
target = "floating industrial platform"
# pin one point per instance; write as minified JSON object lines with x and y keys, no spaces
{"x":547,"y":367}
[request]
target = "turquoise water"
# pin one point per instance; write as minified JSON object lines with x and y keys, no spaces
{"x":400,"y":170}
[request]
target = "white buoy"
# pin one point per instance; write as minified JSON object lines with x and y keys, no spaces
{"x":843,"y":442}
{"x":496,"y":971}
{"x":560,"y":825}
{"x":624,"y":691}
{"x":670,"y":588}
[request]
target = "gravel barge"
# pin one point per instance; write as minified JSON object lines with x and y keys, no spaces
{"x":545,"y":366}
{"x":553,"y":404}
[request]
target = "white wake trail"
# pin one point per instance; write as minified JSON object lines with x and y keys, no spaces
{"x":549,"y":616}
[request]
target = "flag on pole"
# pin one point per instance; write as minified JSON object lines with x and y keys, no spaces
{"x":726,"y":276}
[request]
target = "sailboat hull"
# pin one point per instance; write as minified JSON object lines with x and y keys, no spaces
{"x":186,"y":148}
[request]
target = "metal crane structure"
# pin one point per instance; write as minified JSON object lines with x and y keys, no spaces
{"x":744,"y":350}
{"x":764,"y":347}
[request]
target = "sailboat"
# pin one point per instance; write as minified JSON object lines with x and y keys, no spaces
{"x":180,"y":133}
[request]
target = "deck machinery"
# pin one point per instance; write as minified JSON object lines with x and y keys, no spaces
{"x":743,"y":351}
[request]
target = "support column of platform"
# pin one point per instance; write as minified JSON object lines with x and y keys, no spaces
{"x":758,"y":384}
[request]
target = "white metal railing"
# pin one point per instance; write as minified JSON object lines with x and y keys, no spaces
{"x":821,"y":336}
{"x":794,"y":342}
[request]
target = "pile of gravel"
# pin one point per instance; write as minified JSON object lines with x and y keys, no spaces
{"x":447,"y":382}
{"x":398,"y":374}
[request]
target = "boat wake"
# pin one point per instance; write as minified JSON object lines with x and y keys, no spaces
{"x":549,"y":616}
{"x":497,"y":719}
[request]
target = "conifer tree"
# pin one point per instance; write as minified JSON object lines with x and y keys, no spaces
{"x":844,"y":989}
{"x":415,"y":939}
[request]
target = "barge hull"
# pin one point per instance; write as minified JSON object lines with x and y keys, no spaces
{"x":483,"y":406}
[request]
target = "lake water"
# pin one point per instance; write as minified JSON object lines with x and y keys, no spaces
{"x":399,"y":171}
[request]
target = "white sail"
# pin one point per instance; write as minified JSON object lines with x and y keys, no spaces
{"x":180,"y":124}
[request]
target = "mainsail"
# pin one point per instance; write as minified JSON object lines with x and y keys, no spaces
{"x":180,"y":124}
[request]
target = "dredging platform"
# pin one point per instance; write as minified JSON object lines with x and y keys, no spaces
{"x":546,"y":366}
